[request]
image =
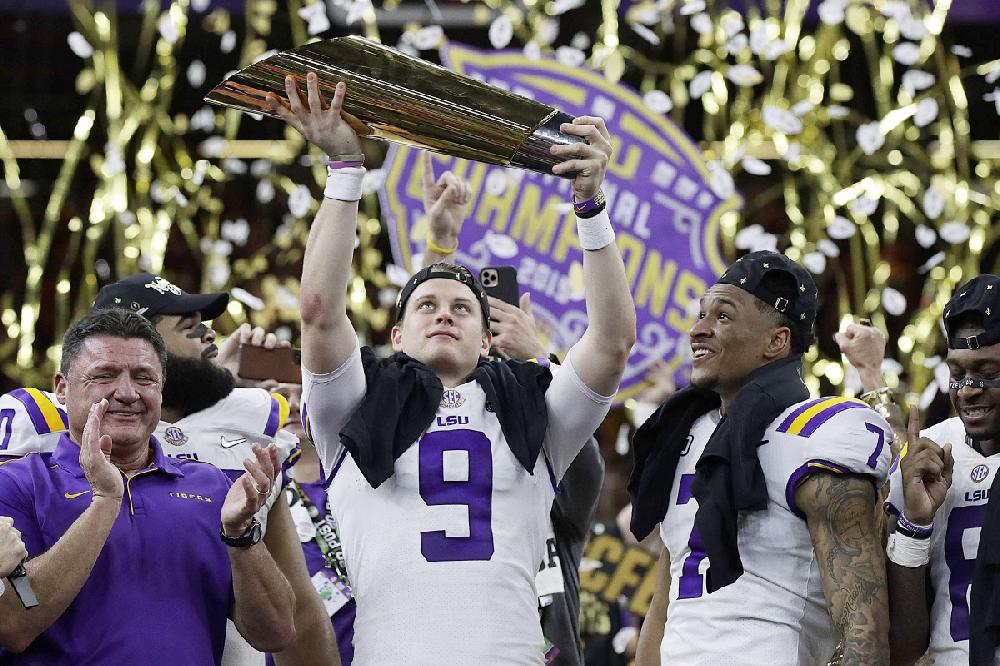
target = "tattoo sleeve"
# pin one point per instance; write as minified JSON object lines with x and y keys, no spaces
{"x":849,"y":554}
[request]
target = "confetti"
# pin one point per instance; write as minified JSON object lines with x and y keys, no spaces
{"x":501,"y":31}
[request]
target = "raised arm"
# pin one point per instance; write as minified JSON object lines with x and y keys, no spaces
{"x":599,"y":356}
{"x":926,"y":471}
{"x":57,"y":575}
{"x":328,"y":338}
{"x":651,"y":635}
{"x":446,"y":200}
{"x":840,"y":513}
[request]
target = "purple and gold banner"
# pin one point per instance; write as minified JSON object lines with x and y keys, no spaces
{"x":662,"y":204}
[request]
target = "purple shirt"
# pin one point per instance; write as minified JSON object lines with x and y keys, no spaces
{"x":161,"y":589}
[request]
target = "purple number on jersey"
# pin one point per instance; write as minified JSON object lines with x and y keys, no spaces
{"x":692,"y":583}
{"x":6,"y":426}
{"x":873,"y":460}
{"x":960,"y":568}
{"x":475,"y":492}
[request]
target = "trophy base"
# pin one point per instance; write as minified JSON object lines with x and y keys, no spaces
{"x":534,"y":153}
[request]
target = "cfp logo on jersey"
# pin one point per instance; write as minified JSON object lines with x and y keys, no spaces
{"x":175,"y":436}
{"x":979,"y":473}
{"x":163,"y":286}
{"x":452,"y":399}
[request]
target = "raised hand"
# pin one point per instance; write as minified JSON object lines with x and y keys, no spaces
{"x":328,"y":128}
{"x":12,"y":550}
{"x":514,"y":329}
{"x":926,"y":470}
{"x":229,"y":349}
{"x":446,"y":200}
{"x":95,"y":456}
{"x":589,"y":160}
{"x":248,"y":494}
{"x":864,"y":348}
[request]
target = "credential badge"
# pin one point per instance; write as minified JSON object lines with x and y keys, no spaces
{"x":452,"y":399}
{"x":175,"y":436}
{"x":979,"y":473}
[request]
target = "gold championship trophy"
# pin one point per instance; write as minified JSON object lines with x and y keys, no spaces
{"x":408,"y":100}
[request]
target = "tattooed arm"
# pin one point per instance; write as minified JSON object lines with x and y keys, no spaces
{"x":841,"y":519}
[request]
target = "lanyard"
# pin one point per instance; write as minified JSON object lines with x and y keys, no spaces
{"x":327,"y":534}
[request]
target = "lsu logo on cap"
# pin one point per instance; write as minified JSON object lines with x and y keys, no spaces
{"x":175,"y":436}
{"x":163,"y":286}
{"x":452,"y":399}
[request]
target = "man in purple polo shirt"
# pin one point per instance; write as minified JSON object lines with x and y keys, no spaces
{"x":134,"y":557}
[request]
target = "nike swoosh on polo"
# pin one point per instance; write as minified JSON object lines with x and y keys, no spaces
{"x":230,"y":443}
{"x":75,"y":495}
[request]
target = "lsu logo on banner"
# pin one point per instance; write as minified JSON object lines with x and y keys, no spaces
{"x":664,"y":210}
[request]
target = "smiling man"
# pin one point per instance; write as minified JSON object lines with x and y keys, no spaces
{"x":125,"y":551}
{"x":766,"y":499}
{"x":204,"y":417}
{"x":442,"y":466}
{"x":940,"y":488}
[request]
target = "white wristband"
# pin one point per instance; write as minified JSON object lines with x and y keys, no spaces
{"x":595,"y":232}
{"x":344,"y":184}
{"x":2,"y":587}
{"x":907,"y":551}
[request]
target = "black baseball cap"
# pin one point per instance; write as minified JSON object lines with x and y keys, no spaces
{"x":981,"y":294}
{"x":798,"y":305}
{"x":444,"y":271}
{"x":151,"y":295}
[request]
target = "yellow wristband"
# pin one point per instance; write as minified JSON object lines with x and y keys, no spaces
{"x":438,"y":249}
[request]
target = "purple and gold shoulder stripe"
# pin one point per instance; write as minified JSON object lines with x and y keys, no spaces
{"x":45,"y":415}
{"x":279,"y":414}
{"x":808,"y":417}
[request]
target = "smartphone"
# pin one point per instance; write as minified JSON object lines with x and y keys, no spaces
{"x":282,"y":364}
{"x":501,"y":282}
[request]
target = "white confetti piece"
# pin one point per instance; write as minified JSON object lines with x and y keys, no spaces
{"x":228,"y":41}
{"x":299,"y":201}
{"x":79,"y":45}
{"x":570,"y":57}
{"x":580,"y":41}
{"x":755,"y":166}
{"x":560,"y":7}
{"x":200,"y":5}
{"x":759,"y":38}
{"x":933,"y":203}
{"x":265,"y":191}
{"x":815,"y":262}
{"x":315,"y":17}
{"x":927,"y":112}
{"x":501,"y":31}
{"x":357,"y":10}
{"x":840,"y":228}
{"x":196,"y":73}
{"x":731,"y":24}
{"x":169,"y":30}
{"x":961,"y":51}
{"x":912,"y":28}
{"x":828,"y":247}
{"x":831,"y":12}
{"x":428,"y":38}
{"x":658,"y":101}
{"x":935,"y":259}
{"x":645,"y":33}
{"x":693,"y":7}
{"x":532,"y":51}
{"x":720,"y":180}
{"x":893,"y":302}
{"x":235,"y":231}
{"x":870,"y":138}
{"x":942,"y":377}
{"x":501,"y":245}
{"x":955,"y":232}
{"x":754,"y":238}
{"x":802,"y":108}
{"x":246,"y":298}
{"x":838,"y":111}
{"x":906,"y":54}
{"x":744,"y":75}
{"x":781,"y":120}
{"x":737,"y":44}
{"x":793,"y":152}
{"x":702,"y":24}
{"x":397,"y":275}
{"x":776,"y":49}
{"x":896,"y":9}
{"x":212,"y":146}
{"x":547,"y":32}
{"x":496,"y":182}
{"x":700,"y":84}
{"x":917,"y":79}
{"x":864,"y":205}
{"x":925,"y":235}
{"x":373,"y":181}
{"x":234,"y":165}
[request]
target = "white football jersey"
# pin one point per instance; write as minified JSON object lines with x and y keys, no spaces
{"x":443,"y":554}
{"x":775,"y":613}
{"x":31,"y":421}
{"x":955,"y":541}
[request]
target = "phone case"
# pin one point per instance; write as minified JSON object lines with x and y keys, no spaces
{"x":501,"y":282}
{"x":280,"y":364}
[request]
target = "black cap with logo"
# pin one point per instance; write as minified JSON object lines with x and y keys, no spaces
{"x":981,"y":295}
{"x":447,"y":272}
{"x":150,"y":295}
{"x":798,"y":304}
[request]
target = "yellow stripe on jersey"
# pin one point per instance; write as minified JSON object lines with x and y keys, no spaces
{"x":283,"y":409}
{"x":803,"y":419}
{"x":816,"y":465}
{"x":49,"y":411}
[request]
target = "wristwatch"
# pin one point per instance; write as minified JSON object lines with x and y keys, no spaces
{"x":247,"y":539}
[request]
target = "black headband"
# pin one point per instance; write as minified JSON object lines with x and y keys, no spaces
{"x":444,"y":272}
